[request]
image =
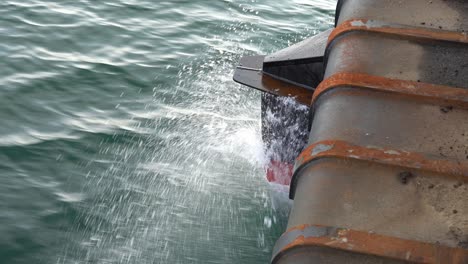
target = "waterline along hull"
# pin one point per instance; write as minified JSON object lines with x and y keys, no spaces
{"x":382,"y":176}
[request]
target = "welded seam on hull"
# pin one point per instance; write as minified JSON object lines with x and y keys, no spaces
{"x":438,"y":93}
{"x":368,"y":243}
{"x":399,"y":158}
{"x":402,"y":31}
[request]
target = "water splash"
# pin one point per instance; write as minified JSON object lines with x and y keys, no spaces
{"x":125,"y":139}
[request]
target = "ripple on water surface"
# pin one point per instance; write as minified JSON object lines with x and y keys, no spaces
{"x":123,"y":137}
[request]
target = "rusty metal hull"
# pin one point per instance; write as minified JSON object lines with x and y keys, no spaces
{"x":384,"y":178}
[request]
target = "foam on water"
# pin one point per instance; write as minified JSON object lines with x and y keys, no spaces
{"x":124,"y":138}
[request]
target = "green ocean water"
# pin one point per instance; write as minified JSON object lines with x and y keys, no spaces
{"x":123,"y":138}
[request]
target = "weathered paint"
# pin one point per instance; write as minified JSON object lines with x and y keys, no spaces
{"x":368,"y":243}
{"x":437,"y":93}
{"x":337,"y":149}
{"x":397,"y":30}
{"x":319,"y":148}
{"x":344,"y":150}
{"x":281,"y":88}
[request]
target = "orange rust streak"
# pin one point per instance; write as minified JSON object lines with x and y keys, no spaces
{"x":342,"y":149}
{"x":415,"y":32}
{"x":458,"y":96}
{"x":281,"y":88}
{"x":384,"y":246}
{"x":301,"y":227}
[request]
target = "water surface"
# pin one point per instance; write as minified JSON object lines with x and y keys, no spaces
{"x":123,"y":137}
